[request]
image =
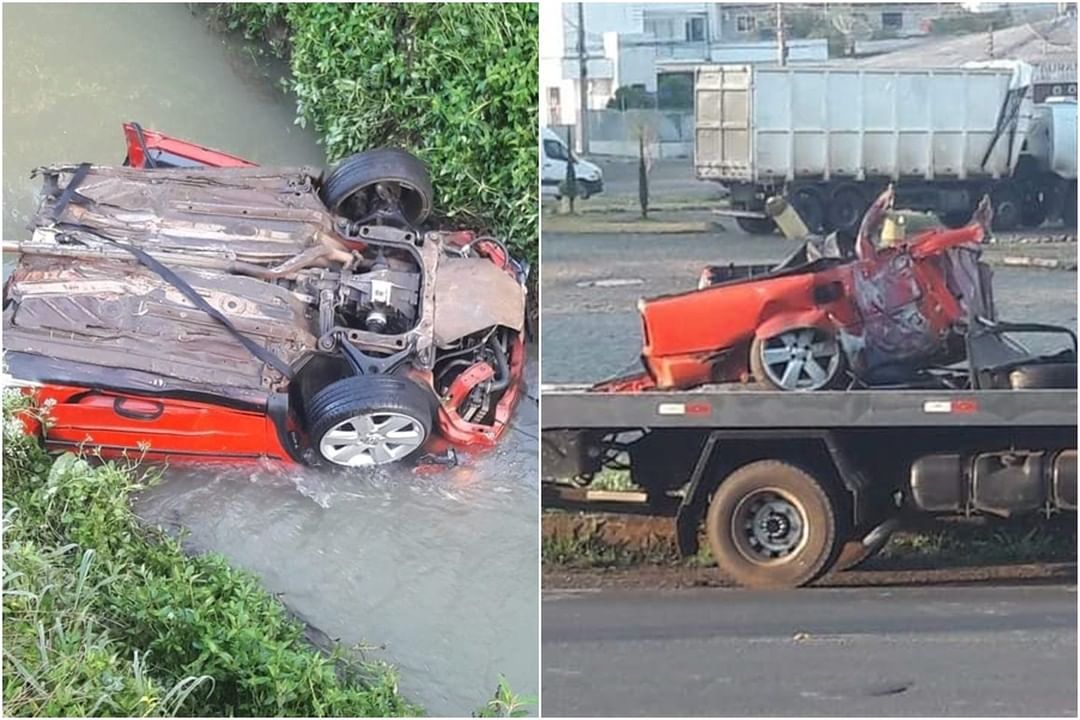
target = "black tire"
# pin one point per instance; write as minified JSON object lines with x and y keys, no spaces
{"x":846,"y":209}
{"x":725,"y":528}
{"x":810,"y":205}
{"x":1033,"y":209}
{"x":372,"y":396}
{"x":1007,"y":208}
{"x":756,"y":226}
{"x":1068,"y":207}
{"x":348,"y":190}
{"x":582,"y":191}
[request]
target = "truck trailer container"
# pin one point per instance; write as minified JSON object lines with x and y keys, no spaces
{"x":830,"y":138}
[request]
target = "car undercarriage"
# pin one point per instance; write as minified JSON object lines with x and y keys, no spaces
{"x":242,"y":286}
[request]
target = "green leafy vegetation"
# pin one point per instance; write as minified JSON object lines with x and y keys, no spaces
{"x":454,"y":83}
{"x":506,"y":703}
{"x":104,"y":616}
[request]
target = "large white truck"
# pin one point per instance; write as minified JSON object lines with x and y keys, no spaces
{"x":830,"y":138}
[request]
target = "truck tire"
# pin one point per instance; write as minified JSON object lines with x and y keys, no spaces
{"x":772,"y":524}
{"x":1068,"y":208}
{"x":810,"y":205}
{"x":1007,"y":210}
{"x":756,"y":226}
{"x":846,"y":209}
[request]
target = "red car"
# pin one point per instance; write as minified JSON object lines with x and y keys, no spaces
{"x":194,"y":305}
{"x":823,"y":323}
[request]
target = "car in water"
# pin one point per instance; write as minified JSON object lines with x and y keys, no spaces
{"x":190,"y":304}
{"x":888,"y":314}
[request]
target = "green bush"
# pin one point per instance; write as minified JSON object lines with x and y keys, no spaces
{"x":454,"y":83}
{"x":103,"y":616}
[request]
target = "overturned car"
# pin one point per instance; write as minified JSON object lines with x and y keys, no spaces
{"x":191,"y":304}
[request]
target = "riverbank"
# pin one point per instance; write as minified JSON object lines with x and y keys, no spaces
{"x":105,"y":616}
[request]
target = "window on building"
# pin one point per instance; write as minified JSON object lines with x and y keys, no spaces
{"x":745,"y":23}
{"x":892,"y":20}
{"x":554,"y":105}
{"x":661,"y":28}
{"x":695,"y":29}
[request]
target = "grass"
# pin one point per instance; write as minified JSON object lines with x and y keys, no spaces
{"x":506,"y":703}
{"x":956,"y":543}
{"x":589,"y":545}
{"x":104,"y":616}
{"x":591,"y":542}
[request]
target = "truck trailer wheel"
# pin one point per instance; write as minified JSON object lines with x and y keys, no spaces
{"x":1068,"y":210}
{"x":772,"y":525}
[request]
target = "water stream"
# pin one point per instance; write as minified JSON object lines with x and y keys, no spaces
{"x":435,"y":573}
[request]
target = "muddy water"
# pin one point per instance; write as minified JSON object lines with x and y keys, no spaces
{"x":439,"y":570}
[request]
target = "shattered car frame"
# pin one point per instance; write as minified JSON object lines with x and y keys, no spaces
{"x":896,"y":315}
{"x":194,"y":304}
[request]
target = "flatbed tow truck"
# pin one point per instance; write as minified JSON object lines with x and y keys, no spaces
{"x":780,"y":482}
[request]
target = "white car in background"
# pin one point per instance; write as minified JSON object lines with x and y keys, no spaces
{"x":555,"y":154}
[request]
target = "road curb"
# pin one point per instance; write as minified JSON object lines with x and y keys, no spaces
{"x":638,"y":227}
{"x":1029,"y":261}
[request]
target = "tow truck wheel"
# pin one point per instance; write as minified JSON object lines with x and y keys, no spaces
{"x":797,"y":359}
{"x":369,"y":420}
{"x":380,"y":184}
{"x":771,"y":524}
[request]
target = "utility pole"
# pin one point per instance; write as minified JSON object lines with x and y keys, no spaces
{"x":781,"y":40}
{"x":583,"y":84}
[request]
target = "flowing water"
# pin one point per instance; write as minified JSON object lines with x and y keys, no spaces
{"x":435,"y":573}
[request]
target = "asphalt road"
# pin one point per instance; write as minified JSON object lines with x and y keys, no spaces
{"x":592,"y":331}
{"x":951,"y":651}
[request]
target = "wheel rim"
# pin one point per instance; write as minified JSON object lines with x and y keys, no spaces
{"x":803,"y":359}
{"x":390,"y":197}
{"x":769,"y":526}
{"x":372,"y":439}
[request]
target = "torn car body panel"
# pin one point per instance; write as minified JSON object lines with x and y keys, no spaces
{"x":891,"y":312}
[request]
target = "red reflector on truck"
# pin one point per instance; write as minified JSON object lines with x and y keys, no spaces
{"x":683,"y":409}
{"x":951,"y":406}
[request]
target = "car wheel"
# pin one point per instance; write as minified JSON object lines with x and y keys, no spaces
{"x":369,"y":420}
{"x":798,"y":359}
{"x":772,"y":524}
{"x":385,"y":180}
{"x":582,"y":191}
{"x":756,"y":226}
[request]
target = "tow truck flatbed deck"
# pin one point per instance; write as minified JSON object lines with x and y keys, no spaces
{"x":745,"y":407}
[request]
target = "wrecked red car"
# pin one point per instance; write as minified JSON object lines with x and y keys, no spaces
{"x":819,"y":321}
{"x":192,"y":304}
